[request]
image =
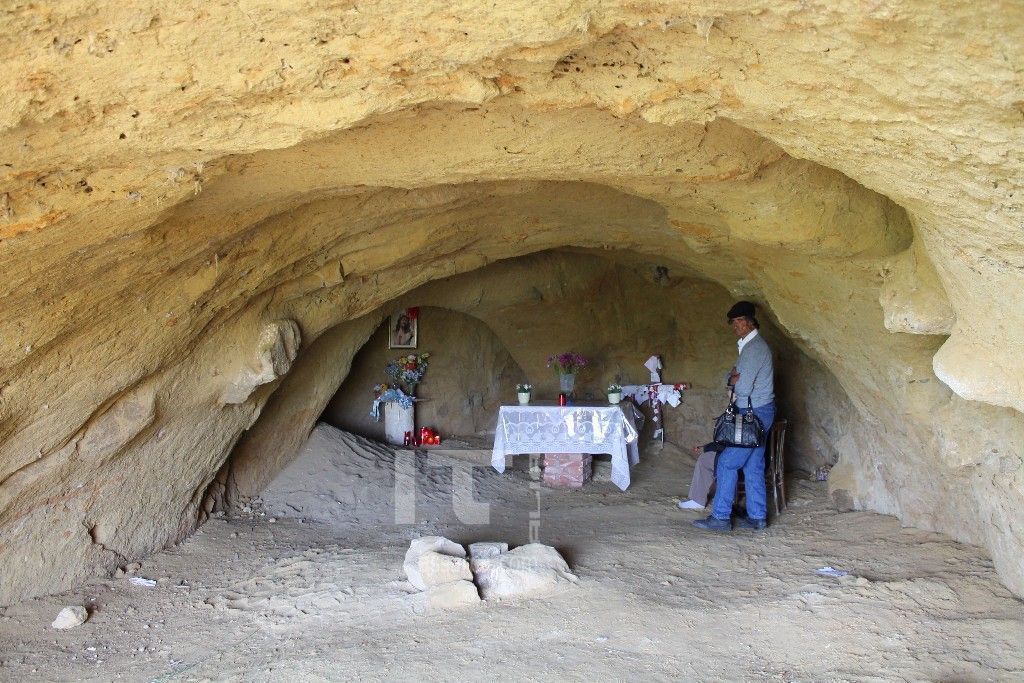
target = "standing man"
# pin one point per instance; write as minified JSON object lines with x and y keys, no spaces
{"x":752,"y":379}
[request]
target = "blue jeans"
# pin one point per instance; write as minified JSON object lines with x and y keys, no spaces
{"x":752,"y":461}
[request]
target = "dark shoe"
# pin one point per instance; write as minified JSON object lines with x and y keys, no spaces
{"x":748,"y":523}
{"x":713,"y":524}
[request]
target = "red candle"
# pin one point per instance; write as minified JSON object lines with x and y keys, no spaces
{"x":561,"y":399}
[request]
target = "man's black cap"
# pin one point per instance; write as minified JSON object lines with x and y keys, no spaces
{"x":741,"y":309}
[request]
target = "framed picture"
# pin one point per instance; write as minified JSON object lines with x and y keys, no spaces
{"x":403,"y":329}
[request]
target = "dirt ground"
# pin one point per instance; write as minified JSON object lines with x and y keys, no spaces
{"x":310,"y":587}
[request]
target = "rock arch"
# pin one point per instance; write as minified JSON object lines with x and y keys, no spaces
{"x":184,"y":216}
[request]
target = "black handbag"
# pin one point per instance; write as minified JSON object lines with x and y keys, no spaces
{"x":739,"y":429}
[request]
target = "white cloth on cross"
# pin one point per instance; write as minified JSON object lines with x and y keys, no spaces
{"x":671,"y":394}
{"x":654,"y":365}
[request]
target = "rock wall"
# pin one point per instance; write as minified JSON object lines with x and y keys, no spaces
{"x":469,"y":376}
{"x":191,"y":197}
{"x":616,"y":310}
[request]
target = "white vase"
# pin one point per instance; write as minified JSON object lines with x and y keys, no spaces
{"x":524,"y":398}
{"x":614,"y":398}
{"x":398,"y":421}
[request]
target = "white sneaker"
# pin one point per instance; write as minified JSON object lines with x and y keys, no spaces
{"x":689,"y":505}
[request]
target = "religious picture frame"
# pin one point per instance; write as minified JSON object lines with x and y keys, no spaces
{"x":403,"y":329}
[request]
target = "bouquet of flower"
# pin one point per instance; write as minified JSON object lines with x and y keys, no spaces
{"x":568,"y":363}
{"x":386,"y":393}
{"x":524,"y":388}
{"x":408,"y":371}
{"x":614,"y":389}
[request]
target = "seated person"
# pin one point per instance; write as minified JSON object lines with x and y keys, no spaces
{"x":704,"y":469}
{"x":703,"y":477}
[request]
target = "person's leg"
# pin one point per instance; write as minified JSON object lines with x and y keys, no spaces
{"x":703,"y":478}
{"x":753,"y":470}
{"x":729,"y":463}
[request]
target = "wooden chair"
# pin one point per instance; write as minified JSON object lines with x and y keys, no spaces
{"x":775,"y":467}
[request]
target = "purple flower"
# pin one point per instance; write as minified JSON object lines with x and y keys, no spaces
{"x":568,"y":362}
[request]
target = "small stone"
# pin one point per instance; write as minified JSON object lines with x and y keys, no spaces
{"x":437,"y":569}
{"x":70,"y":617}
{"x":483,"y":549}
{"x":453,"y":594}
{"x":118,"y":573}
{"x":532,"y":569}
{"x":418,"y":546}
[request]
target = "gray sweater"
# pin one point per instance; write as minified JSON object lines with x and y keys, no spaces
{"x":757,"y":375}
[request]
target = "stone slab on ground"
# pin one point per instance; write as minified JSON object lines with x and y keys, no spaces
{"x":485,"y":549}
{"x":529,"y":570}
{"x":437,"y":569}
{"x":70,"y":617}
{"x":453,"y":594}
{"x":419,"y":546}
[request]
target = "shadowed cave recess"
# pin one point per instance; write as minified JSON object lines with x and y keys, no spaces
{"x":601,"y":180}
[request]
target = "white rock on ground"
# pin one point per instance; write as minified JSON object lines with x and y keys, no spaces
{"x":418,"y":547}
{"x":453,"y":594}
{"x":70,"y":617}
{"x":437,"y":569}
{"x":484,"y":549}
{"x":532,"y":569}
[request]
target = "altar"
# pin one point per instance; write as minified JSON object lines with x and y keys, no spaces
{"x":582,"y":429}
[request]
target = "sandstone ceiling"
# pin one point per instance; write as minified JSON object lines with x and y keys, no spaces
{"x":193,"y":198}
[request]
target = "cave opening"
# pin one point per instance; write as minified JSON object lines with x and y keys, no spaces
{"x":490,"y":329}
{"x":206,"y":217}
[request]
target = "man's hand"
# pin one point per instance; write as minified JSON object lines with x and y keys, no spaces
{"x":733,"y":377}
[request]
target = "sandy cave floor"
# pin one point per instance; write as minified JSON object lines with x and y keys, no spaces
{"x":310,"y":587}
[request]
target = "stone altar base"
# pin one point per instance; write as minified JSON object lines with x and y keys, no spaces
{"x":567,"y":470}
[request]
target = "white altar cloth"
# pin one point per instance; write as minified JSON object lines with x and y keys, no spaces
{"x":568,"y":429}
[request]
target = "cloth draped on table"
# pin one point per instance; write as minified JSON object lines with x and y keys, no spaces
{"x":529,"y":429}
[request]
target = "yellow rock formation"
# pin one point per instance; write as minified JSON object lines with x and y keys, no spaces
{"x":197,"y":201}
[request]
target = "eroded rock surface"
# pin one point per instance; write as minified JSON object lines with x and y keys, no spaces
{"x":174,"y":180}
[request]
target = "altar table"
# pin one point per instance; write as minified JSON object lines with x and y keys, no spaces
{"x":568,"y":429}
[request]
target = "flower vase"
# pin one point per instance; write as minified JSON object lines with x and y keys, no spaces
{"x":614,"y":397}
{"x":567,"y":383}
{"x":397,"y":421}
{"x":524,"y":398}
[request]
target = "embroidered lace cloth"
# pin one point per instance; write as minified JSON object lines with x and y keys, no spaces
{"x":568,"y":429}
